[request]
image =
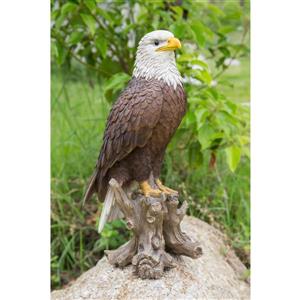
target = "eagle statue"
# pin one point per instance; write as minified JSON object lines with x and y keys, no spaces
{"x":141,"y":123}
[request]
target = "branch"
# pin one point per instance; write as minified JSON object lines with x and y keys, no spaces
{"x":61,"y":40}
{"x":234,"y":55}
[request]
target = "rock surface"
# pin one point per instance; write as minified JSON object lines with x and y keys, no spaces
{"x":217,"y":274}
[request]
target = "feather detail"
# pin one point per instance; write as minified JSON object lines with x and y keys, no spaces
{"x":115,"y":213}
{"x":106,"y":210}
{"x":90,"y":189}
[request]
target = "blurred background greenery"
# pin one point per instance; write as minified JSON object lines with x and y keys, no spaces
{"x":93,"y":46}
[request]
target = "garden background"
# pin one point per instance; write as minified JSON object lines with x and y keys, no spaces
{"x":93,"y":44}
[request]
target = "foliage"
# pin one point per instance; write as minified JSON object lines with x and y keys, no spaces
{"x":208,"y":157}
{"x":85,"y":30}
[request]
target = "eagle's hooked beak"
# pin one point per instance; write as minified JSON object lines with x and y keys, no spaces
{"x":172,"y":44}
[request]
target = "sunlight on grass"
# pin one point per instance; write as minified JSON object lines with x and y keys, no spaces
{"x":238,"y":76}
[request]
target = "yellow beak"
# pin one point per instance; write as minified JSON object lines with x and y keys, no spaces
{"x":172,"y":44}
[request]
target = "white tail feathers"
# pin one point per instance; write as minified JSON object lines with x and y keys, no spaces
{"x":108,"y":203}
{"x":110,"y":210}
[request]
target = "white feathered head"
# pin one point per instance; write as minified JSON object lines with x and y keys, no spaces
{"x":155,"y":57}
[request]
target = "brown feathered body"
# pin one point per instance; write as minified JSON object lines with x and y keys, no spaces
{"x":140,"y":125}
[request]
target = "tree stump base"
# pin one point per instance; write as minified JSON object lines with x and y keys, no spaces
{"x":155,"y":223}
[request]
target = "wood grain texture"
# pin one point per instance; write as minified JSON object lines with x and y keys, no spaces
{"x":155,"y":223}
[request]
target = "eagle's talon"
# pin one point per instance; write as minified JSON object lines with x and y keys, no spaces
{"x":148,"y":191}
{"x":153,"y":193}
{"x":165,"y":189}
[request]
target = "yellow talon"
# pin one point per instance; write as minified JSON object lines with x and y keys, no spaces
{"x":148,"y":191}
{"x":165,"y":189}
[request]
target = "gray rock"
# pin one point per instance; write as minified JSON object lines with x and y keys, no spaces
{"x":217,"y":274}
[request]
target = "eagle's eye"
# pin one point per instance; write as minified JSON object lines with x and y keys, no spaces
{"x":156,"y":42}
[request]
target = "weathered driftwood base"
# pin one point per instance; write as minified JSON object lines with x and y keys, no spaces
{"x":155,"y":223}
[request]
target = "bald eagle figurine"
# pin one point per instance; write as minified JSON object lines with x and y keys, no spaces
{"x":141,"y":123}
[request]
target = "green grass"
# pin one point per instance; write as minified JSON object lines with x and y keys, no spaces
{"x":79,"y":112}
{"x":238,"y":76}
{"x":78,"y":115}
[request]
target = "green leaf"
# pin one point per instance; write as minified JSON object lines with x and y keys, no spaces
{"x":184,"y":57}
{"x":234,"y":15}
{"x":115,"y":83}
{"x":220,"y":61}
{"x":201,"y":116}
{"x":60,"y":53}
{"x":226,"y":29}
{"x":213,"y":92}
{"x":244,"y":140}
{"x":200,"y":63}
{"x":91,"y":5}
{"x":216,"y":10}
{"x":90,"y":22}
{"x":204,"y":76}
{"x":104,"y":14}
{"x":101,"y":44}
{"x":227,"y":118}
{"x":195,"y":156}
{"x":178,"y":10}
{"x":233,"y":155}
{"x":198,"y":32}
{"x":246,"y":151}
{"x":59,"y":21}
{"x":206,"y":135}
{"x":178,"y":30}
{"x":209,"y":33}
{"x":190,"y":118}
{"x":68,"y":7}
{"x":179,"y":139}
{"x":225,"y":51}
{"x":75,"y":37}
{"x":54,"y":14}
{"x":110,"y":66}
